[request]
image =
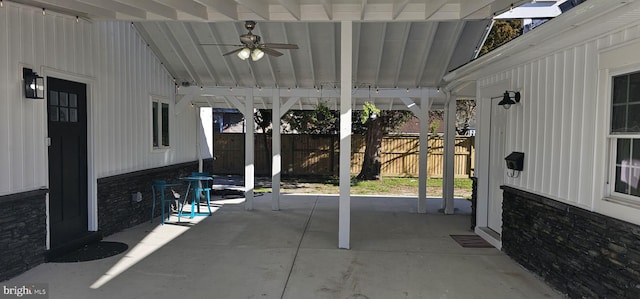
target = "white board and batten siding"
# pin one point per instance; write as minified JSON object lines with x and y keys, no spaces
{"x":122,"y":74}
{"x":561,"y":124}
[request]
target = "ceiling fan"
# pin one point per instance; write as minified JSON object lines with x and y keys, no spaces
{"x":251,"y":45}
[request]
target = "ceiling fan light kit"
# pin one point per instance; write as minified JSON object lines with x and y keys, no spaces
{"x":244,"y":53}
{"x":257,"y":54}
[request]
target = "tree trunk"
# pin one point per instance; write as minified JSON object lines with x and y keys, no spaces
{"x":371,"y":163}
{"x":267,"y":152}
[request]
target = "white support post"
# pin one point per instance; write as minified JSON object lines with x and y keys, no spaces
{"x":344,"y":209}
{"x":449,"y":154}
{"x":424,"y":149}
{"x":422,"y":113}
{"x":198,"y":138}
{"x":249,"y":168}
{"x":276,"y":145}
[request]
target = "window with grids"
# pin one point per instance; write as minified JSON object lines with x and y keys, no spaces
{"x":160,"y":124}
{"x":625,"y":135}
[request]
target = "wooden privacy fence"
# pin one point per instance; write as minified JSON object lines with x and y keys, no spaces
{"x":307,"y":155}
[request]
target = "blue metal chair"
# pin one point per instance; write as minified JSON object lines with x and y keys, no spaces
{"x":159,"y":187}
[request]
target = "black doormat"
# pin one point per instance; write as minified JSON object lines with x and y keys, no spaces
{"x":91,"y":251}
{"x":471,"y":241}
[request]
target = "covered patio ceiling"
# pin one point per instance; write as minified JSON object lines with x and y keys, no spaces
{"x":398,"y":45}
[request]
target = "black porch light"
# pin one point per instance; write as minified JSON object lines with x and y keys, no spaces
{"x":507,"y":100}
{"x":33,"y":84}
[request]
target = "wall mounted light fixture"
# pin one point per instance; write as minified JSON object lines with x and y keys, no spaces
{"x":507,"y":100}
{"x":33,"y":84}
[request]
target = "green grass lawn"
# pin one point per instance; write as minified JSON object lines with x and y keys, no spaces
{"x":388,"y":186}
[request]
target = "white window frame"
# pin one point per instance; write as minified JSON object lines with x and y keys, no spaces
{"x":612,"y":195}
{"x":160,"y":101}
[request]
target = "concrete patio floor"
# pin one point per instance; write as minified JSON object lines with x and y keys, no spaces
{"x":292,"y":253}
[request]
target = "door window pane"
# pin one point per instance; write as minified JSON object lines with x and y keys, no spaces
{"x":64,"y":99}
{"x":73,"y":115}
{"x":154,"y":120}
{"x":73,"y":100}
{"x":165,"y":124}
{"x":64,"y":114}
{"x":53,"y":113}
{"x":53,"y":98}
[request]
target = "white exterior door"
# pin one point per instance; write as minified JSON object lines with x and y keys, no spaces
{"x":496,"y":166}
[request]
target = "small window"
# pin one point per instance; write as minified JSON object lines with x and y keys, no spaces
{"x":625,"y":136}
{"x":160,"y":124}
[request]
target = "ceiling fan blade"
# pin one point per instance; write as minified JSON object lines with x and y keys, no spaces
{"x":279,"y":46}
{"x":271,"y":52}
{"x":214,"y":44}
{"x":231,"y":52}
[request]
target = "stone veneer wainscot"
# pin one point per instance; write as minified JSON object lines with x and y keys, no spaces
{"x":581,"y":253}
{"x":23,"y":232}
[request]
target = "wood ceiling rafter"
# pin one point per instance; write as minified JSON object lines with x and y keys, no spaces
{"x":189,"y":7}
{"x":118,"y":7}
{"x":382,"y":35}
{"x":175,"y":46}
{"x":200,"y":50}
{"x":216,"y":39}
{"x":404,"y":40}
{"x":433,"y":28}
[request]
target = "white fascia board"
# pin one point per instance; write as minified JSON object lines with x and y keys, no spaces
{"x":530,"y":13}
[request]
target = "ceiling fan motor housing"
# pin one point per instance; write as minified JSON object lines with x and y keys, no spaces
{"x":250,"y":40}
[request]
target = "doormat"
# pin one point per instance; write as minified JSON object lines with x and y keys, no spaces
{"x":92,"y":251}
{"x":471,"y":241}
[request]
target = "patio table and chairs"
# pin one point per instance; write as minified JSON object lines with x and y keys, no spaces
{"x":198,"y":186}
{"x":198,"y":183}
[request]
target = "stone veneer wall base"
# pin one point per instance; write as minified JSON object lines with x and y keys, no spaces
{"x":581,"y":253}
{"x":117,"y":210}
{"x":23,"y":232}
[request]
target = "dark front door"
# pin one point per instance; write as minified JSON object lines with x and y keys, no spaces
{"x":67,"y":124}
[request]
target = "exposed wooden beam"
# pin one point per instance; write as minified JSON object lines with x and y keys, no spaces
{"x":155,"y":8}
{"x":201,"y":54}
{"x":292,"y":6}
{"x":216,"y":39}
{"x":259,"y":7}
{"x":382,"y":35}
{"x":175,"y":46}
{"x":328,"y":8}
{"x":433,"y":28}
{"x":228,"y":8}
{"x":308,"y":43}
{"x":433,"y":7}
{"x":398,"y":7}
{"x":405,"y":38}
{"x":469,"y":7}
{"x":188,"y":6}
{"x":118,"y":7}
{"x":91,"y":10}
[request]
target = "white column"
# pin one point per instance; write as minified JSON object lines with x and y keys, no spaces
{"x":249,"y":168}
{"x":424,"y":149}
{"x":449,"y":154}
{"x":276,"y":146}
{"x":206,"y":144}
{"x":344,"y":210}
{"x":198,"y":139}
